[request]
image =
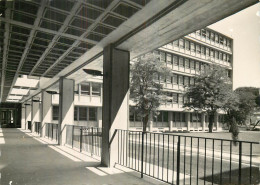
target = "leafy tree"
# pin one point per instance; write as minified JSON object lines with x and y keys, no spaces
{"x":212,"y":92}
{"x":249,"y":97}
{"x":145,"y":89}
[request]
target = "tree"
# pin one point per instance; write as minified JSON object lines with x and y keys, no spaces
{"x":145,"y":89}
{"x":249,"y":97}
{"x":212,"y":92}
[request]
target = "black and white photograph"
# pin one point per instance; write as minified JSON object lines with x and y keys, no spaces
{"x":129,"y":92}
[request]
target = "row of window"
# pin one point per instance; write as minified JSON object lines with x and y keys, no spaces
{"x":200,"y":49}
{"x":80,"y":113}
{"x":89,"y":88}
{"x":175,"y":79}
{"x":214,"y":36}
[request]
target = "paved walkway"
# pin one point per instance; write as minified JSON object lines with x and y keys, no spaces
{"x":25,"y":160}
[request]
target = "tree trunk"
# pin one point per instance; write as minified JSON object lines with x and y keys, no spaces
{"x":211,"y":122}
{"x":145,"y":121}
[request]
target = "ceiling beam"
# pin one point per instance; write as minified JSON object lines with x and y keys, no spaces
{"x":29,"y":41}
{"x":73,"y":11}
{"x":101,"y":16}
{"x":8,"y":7}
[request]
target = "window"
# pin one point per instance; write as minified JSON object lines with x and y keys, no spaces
{"x":203,"y":52}
{"x":216,"y":38}
{"x":207,"y":52}
{"x":187,"y":63}
{"x":187,"y":45}
{"x":92,"y":111}
{"x":197,"y":66}
{"x":221,"y":40}
{"x":225,"y":42}
{"x":224,"y":57}
{"x":165,"y":116}
{"x":75,"y":113}
{"x":85,"y":89}
{"x":132,"y":114}
{"x":202,"y":67}
{"x":192,"y":81}
{"x":228,"y":43}
{"x":162,"y":55}
{"x":195,"y":117}
{"x":96,"y":88}
{"x":186,"y":80}
{"x":198,"y":48}
{"x":55,"y":112}
{"x":168,"y":79}
{"x":181,"y":62}
{"x":169,"y":59}
{"x":175,"y":79}
{"x":208,"y":34}
{"x":169,"y":97}
{"x":82,"y":113}
{"x":220,"y":56}
{"x":177,"y":117}
{"x":203,"y":33}
{"x":181,"y":43}
{"x":228,"y":58}
{"x":212,"y":36}
{"x":175,"y":98}
{"x":198,"y":32}
{"x":192,"y":64}
{"x":181,"y":80}
{"x":176,"y":43}
{"x":192,"y":47}
{"x":175,"y":60}
{"x":212,"y":53}
{"x":216,"y":55}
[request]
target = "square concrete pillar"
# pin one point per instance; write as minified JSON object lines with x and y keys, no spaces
{"x":23,"y":117}
{"x":170,"y":120}
{"x":216,"y":123}
{"x":187,"y":115}
{"x":35,"y":113}
{"x":115,"y":100}
{"x":28,"y":114}
{"x":45,"y":111}
{"x":203,"y":122}
{"x":66,"y":108}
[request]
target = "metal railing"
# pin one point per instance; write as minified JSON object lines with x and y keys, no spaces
{"x":51,"y":131}
{"x":85,"y":139}
{"x":179,"y":159}
{"x":37,"y":127}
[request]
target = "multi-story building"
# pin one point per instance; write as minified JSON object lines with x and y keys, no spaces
{"x":186,"y":57}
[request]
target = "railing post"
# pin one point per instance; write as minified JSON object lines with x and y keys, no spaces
{"x":92,"y":144}
{"x":142,"y":156}
{"x":240,"y":163}
{"x":178,"y":159}
{"x":72,"y":137}
{"x":80,"y":139}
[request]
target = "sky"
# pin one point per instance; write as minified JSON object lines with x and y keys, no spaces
{"x":244,"y":28}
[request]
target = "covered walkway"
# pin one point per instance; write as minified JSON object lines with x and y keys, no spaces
{"x":31,"y":160}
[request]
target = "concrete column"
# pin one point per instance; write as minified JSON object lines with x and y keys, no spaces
{"x":216,"y":121}
{"x":66,"y":107}
{"x":45,"y":111}
{"x":115,"y":100}
{"x":27,"y":114}
{"x":187,"y":115}
{"x":23,"y":117}
{"x":170,"y":120}
{"x":35,"y":113}
{"x":203,"y":122}
{"x":99,"y":117}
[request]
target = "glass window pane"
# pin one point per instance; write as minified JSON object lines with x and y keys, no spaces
{"x":85,"y":89}
{"x":55,"y":112}
{"x":96,"y":89}
{"x":75,"y":113}
{"x":92,"y":113}
{"x":83,"y":113}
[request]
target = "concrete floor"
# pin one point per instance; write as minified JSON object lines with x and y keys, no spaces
{"x":25,"y":160}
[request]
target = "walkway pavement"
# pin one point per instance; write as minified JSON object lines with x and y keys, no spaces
{"x":27,"y":160}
